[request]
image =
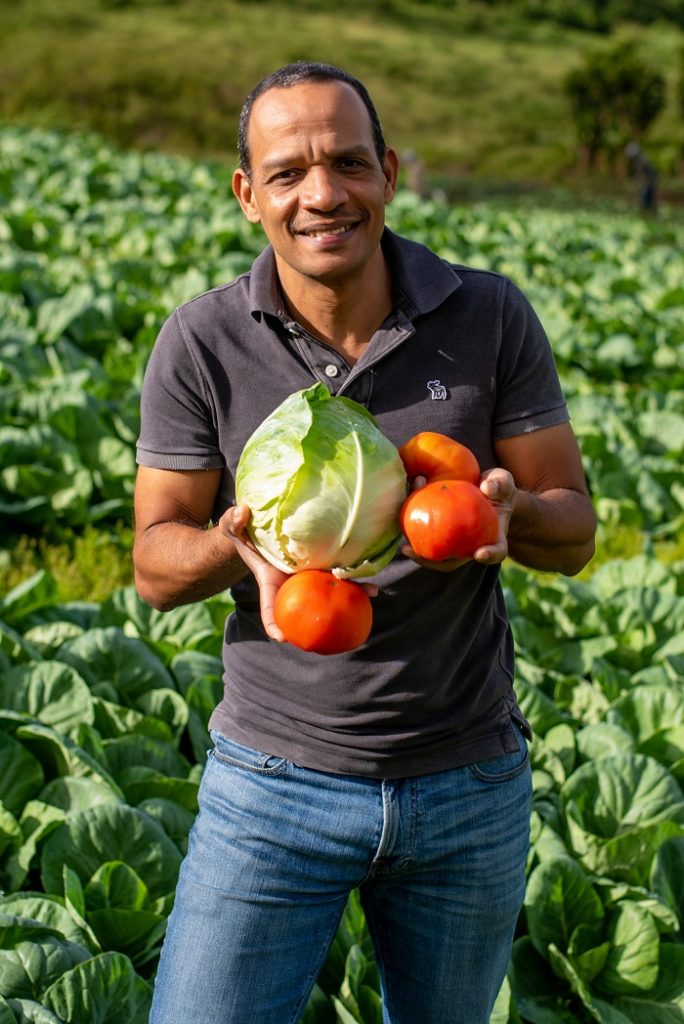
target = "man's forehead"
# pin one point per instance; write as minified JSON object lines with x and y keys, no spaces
{"x":308,"y":101}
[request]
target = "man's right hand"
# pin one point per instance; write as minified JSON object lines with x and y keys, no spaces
{"x":233,"y":523}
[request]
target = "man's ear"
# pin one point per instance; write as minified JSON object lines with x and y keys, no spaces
{"x":242,"y":187}
{"x":390,"y":168}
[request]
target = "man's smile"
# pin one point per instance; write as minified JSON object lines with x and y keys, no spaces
{"x":324,"y":231}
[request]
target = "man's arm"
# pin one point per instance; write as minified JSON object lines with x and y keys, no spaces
{"x":177,"y":559}
{"x":552,"y":522}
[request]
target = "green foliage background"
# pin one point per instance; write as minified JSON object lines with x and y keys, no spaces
{"x":103,"y":702}
{"x":474,"y":88}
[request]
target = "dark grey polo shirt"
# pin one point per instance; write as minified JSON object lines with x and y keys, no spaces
{"x":462,"y":353}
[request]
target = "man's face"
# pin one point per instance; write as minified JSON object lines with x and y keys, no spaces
{"x":317,"y":186}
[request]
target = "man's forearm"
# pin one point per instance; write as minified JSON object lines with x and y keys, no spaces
{"x":552,"y":531}
{"x":177,"y":564}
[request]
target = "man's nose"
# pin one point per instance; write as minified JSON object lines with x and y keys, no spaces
{"x":322,"y":189}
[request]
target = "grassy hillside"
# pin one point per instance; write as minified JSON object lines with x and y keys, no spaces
{"x":475,"y":92}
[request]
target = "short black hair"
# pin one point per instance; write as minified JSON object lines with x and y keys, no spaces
{"x":294,"y":74}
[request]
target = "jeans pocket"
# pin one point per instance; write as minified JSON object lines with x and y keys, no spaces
{"x":234,"y":754}
{"x":504,"y":767}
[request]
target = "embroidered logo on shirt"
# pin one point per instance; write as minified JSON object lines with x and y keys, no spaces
{"x":437,"y":389}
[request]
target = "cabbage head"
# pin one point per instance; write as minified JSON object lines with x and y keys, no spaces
{"x":324,"y":486}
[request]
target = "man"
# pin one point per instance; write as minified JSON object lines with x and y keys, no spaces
{"x":641,"y":168}
{"x":400,"y":768}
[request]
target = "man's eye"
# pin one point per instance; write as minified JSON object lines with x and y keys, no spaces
{"x":286,"y":175}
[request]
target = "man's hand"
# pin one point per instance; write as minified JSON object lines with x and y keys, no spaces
{"x":233,"y":523}
{"x":499,"y":487}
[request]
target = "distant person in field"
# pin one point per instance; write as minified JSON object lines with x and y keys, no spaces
{"x":400,"y":769}
{"x":641,"y":168}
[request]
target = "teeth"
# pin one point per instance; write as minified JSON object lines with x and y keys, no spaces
{"x":329,"y":231}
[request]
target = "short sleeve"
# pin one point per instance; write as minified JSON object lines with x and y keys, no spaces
{"x":529,"y":394}
{"x":177,"y":418}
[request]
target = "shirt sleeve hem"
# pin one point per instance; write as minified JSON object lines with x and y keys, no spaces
{"x":168,"y":460}
{"x":529,"y":422}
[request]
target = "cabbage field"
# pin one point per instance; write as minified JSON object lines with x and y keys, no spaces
{"x":104,"y":704}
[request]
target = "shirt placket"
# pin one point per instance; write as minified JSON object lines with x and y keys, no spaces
{"x":330,"y":367}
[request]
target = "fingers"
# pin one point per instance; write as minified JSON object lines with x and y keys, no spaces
{"x":371,"y":589}
{"x":268,"y":588}
{"x":498,"y":485}
{"x":492,"y":554}
{"x":234,"y":522}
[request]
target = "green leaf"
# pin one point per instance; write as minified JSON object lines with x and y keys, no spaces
{"x":623,"y":574}
{"x":537,"y":993}
{"x":10,"y":831}
{"x":319,"y":1009}
{"x":561,"y":739}
{"x":140,"y":784}
{"x":166,"y":705}
{"x":111,"y":832}
{"x":559,"y":899}
{"x":74,"y":895}
{"x":540,"y":711}
{"x":73,"y":794}
{"x":603,"y":740}
{"x":15,"y":647}
{"x":115,"y":884}
{"x":27,"y":1011}
{"x":37,"y":821}
{"x":31,"y":594}
{"x":21,"y":776}
{"x":50,"y":691}
{"x":618,"y":810}
{"x":127,"y":753}
{"x":664,"y":1004}
{"x":28,"y":969}
{"x":181,"y":629}
{"x":191,"y":668}
{"x":343,"y":1014}
{"x":175,"y":819}
{"x":103,"y":990}
{"x":108,"y":654}
{"x":137,"y":933}
{"x":633,"y":958}
{"x":60,"y":756}
{"x":46,"y":910}
{"x":667,"y":877}
{"x":646,"y":710}
{"x":587,"y":957}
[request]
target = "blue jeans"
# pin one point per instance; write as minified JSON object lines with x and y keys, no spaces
{"x":274,"y":853}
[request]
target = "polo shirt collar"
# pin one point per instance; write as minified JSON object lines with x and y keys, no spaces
{"x":421,"y":279}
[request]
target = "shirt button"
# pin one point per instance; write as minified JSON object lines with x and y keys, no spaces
{"x":331,"y":370}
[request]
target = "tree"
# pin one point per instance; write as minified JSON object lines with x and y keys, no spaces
{"x":615,"y":96}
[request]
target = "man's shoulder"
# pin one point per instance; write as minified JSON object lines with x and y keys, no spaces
{"x":234,"y":294}
{"x":423,"y":262}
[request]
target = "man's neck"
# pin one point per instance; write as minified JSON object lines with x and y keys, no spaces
{"x":345,"y":314}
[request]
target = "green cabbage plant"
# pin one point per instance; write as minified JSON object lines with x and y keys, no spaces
{"x":324,"y":486}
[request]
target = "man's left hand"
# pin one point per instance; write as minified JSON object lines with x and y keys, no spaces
{"x":499,"y":487}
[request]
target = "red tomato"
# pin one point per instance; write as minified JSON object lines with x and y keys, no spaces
{"x":320,"y":613}
{"x":438,"y":457}
{"x":448,"y":519}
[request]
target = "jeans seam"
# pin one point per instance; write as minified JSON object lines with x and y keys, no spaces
{"x":313,"y":976}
